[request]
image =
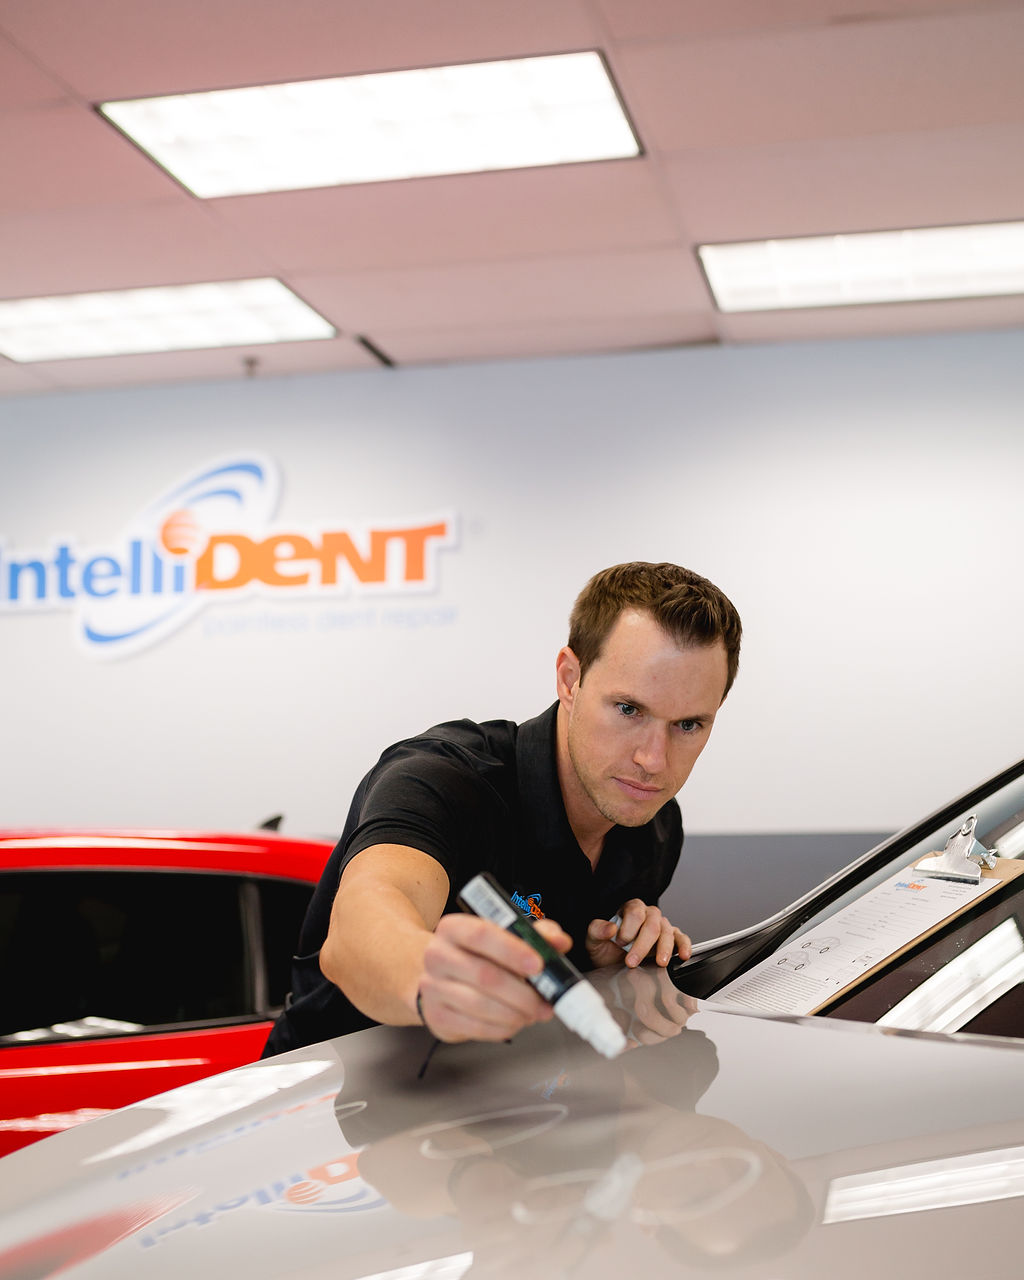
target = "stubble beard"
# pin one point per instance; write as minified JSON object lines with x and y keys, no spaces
{"x":604,"y":807}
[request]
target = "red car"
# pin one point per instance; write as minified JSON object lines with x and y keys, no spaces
{"x":137,"y":961}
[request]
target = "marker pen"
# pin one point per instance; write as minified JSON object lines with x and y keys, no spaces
{"x":576,"y":1003}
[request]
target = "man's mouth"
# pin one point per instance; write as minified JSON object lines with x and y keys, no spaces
{"x":640,"y":790}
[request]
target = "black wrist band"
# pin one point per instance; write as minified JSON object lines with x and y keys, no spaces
{"x":433,"y":1048}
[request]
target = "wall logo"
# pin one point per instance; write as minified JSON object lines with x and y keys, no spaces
{"x":207,"y":539}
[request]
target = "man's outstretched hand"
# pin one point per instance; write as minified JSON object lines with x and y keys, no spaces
{"x":474,"y":979}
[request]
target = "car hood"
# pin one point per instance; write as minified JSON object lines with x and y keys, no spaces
{"x":746,"y":1146}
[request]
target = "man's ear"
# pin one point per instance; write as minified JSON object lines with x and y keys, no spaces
{"x":567,"y":676}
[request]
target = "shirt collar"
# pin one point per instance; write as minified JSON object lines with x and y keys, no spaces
{"x":537,"y":775}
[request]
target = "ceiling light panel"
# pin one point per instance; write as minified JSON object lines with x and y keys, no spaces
{"x":512,"y":114}
{"x":171,"y":318}
{"x":913,"y":265}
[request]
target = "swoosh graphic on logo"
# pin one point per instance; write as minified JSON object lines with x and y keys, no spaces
{"x":99,"y":637}
{"x":247,"y":491}
{"x":257,"y":470}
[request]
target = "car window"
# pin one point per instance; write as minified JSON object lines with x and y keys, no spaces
{"x":148,"y":948}
{"x":283,"y":904}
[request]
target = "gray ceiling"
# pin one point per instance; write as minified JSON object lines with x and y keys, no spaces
{"x":757,"y":117}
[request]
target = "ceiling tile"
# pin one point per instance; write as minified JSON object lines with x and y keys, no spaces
{"x":118,"y":247}
{"x":96,"y":165}
{"x":508,"y":293}
{"x":849,"y":184}
{"x":658,"y":19}
{"x":127,"y":48}
{"x":572,"y":208}
{"x":22,"y":83}
{"x":838,"y":81}
{"x":18,"y":379}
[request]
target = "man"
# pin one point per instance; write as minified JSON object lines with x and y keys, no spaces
{"x":573,"y":812}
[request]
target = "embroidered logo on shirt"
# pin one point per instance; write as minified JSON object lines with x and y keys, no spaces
{"x":529,"y":906}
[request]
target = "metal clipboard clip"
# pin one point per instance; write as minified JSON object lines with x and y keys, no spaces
{"x":962,"y":858}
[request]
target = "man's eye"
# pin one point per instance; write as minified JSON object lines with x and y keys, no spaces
{"x":689,"y":726}
{"x":625,"y":708}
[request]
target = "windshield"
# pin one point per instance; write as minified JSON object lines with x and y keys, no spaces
{"x":962,"y":968}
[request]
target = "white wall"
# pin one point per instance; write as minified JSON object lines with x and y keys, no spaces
{"x":858,"y":501}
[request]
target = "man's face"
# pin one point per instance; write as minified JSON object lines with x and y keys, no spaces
{"x":638,"y":720}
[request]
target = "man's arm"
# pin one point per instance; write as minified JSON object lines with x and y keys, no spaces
{"x":389,"y":943}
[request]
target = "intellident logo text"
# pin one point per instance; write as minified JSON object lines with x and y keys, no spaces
{"x":528,"y":904}
{"x":206,"y":539}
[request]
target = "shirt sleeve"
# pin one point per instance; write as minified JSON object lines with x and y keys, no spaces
{"x":436,"y":803}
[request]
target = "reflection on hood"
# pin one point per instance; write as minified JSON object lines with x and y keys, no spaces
{"x":541,"y":1144}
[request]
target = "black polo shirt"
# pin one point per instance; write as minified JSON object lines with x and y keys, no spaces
{"x":477,"y":797}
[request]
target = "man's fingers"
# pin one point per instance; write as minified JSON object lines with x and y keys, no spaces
{"x":551,"y":931}
{"x":672,"y":942}
{"x":641,"y":930}
{"x":647,"y":932}
{"x":603,"y":931}
{"x":471,"y":934}
{"x":456,"y":1011}
{"x":494,"y":1007}
{"x":473,"y":985}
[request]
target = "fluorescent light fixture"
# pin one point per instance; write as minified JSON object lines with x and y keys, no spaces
{"x":913,"y":265}
{"x":169,"y":318}
{"x":930,"y":1184}
{"x":559,"y":109}
{"x":961,"y":989}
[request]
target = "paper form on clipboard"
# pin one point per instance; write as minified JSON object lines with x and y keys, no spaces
{"x":809,"y":971}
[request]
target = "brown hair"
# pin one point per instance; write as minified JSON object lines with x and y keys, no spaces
{"x":690,"y":608}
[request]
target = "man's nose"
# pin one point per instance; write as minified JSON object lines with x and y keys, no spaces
{"x":651,"y":750}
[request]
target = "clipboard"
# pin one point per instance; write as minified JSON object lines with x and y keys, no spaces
{"x":991,"y":879}
{"x":808,"y":974}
